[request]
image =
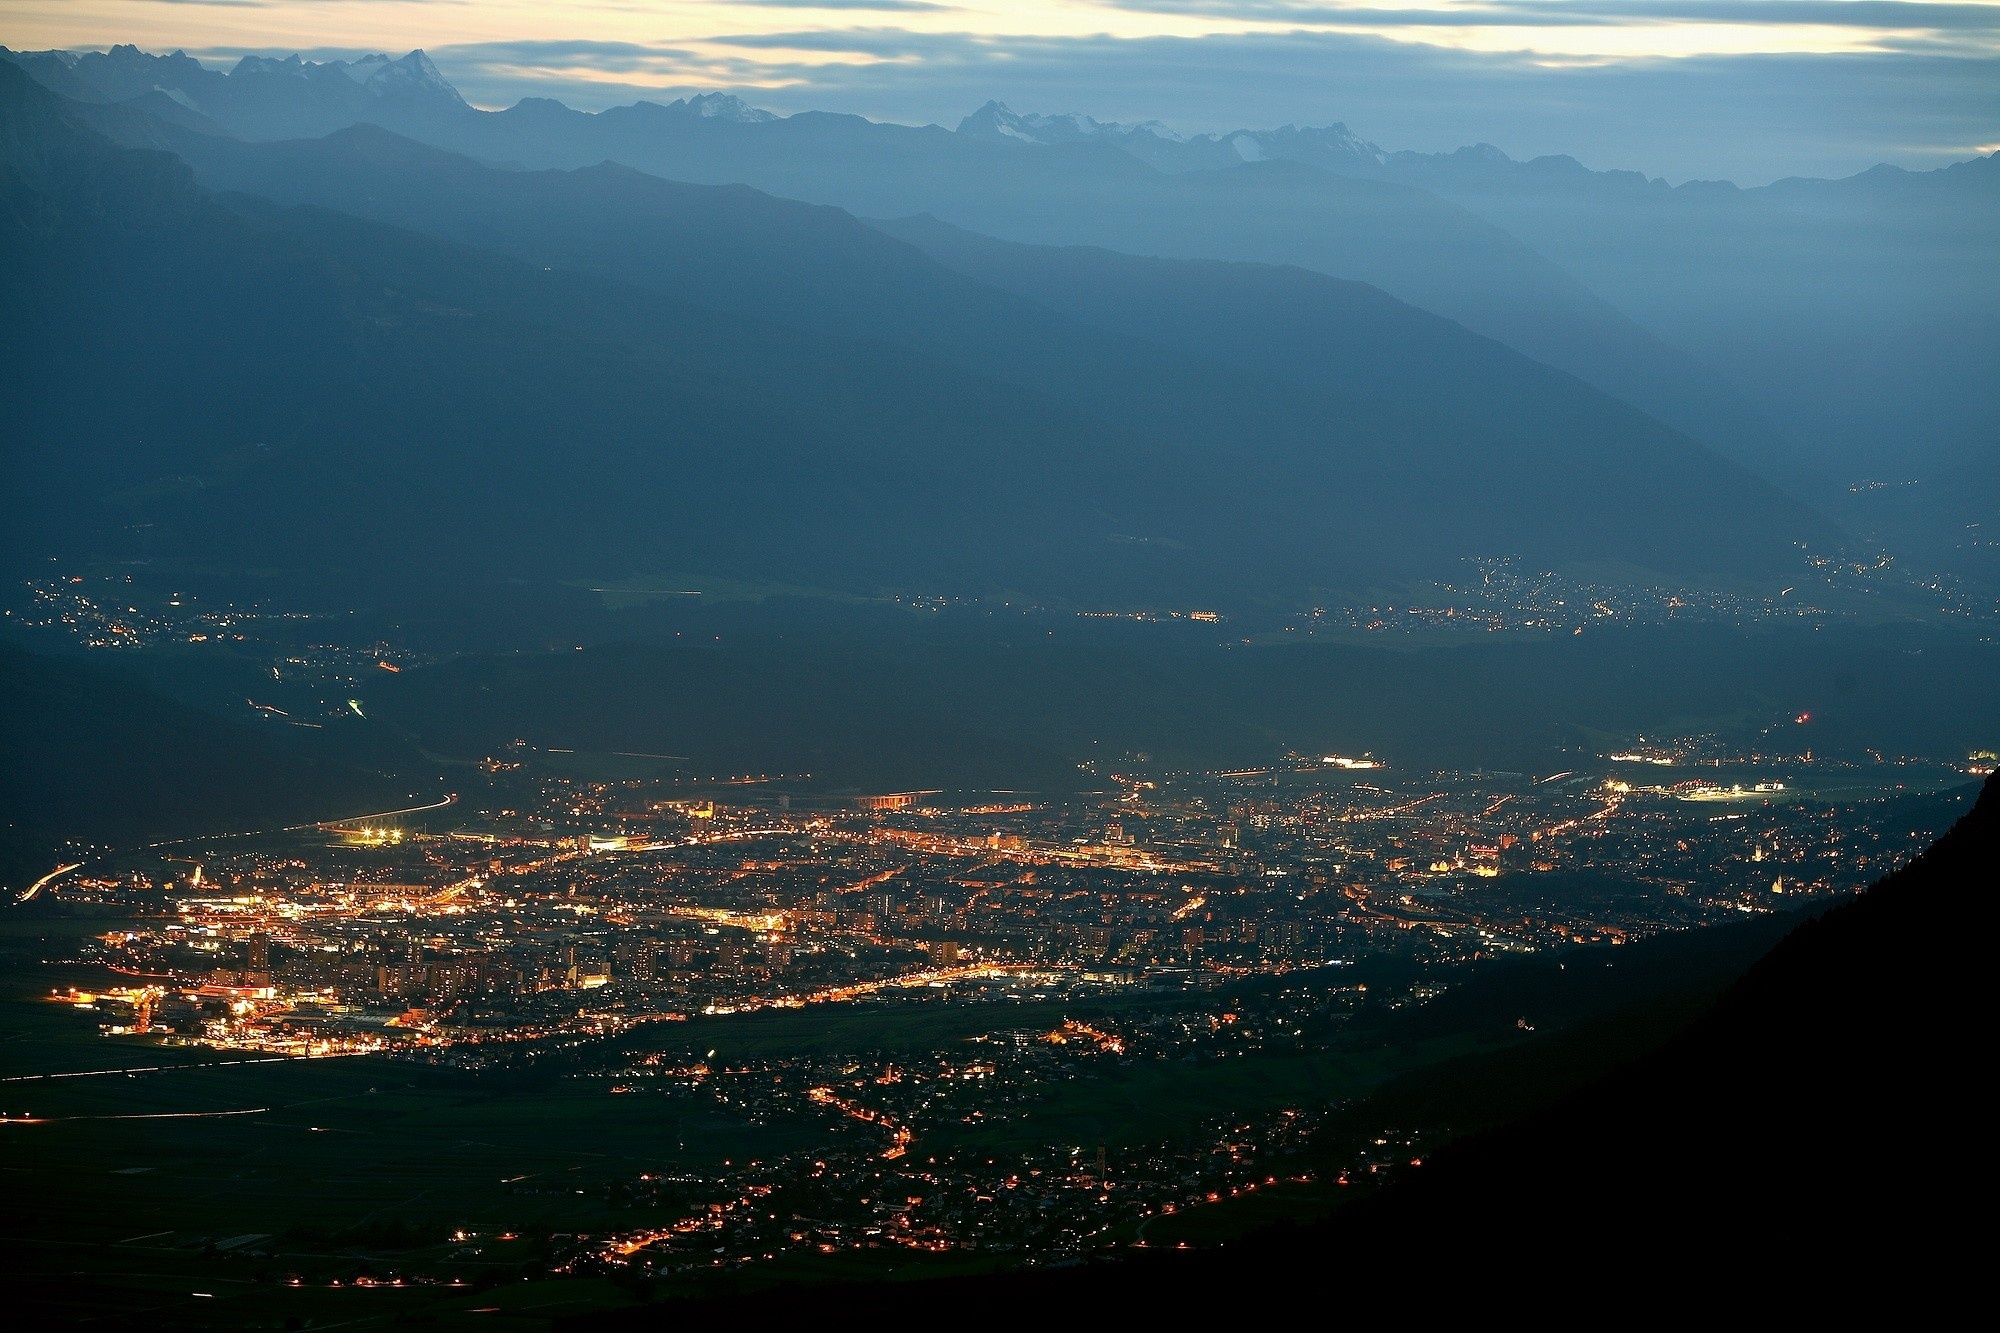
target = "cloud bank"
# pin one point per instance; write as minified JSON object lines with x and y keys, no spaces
{"x":1749,"y":90}
{"x":1748,"y":118}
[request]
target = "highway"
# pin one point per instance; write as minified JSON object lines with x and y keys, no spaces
{"x":351,"y":819}
{"x":28,"y":894}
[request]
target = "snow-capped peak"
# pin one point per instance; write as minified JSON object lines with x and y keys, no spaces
{"x":726,"y":106}
{"x":413,"y":74}
{"x":407,"y":76}
{"x":997,"y":120}
{"x":1247,"y":145}
{"x":363,"y":69}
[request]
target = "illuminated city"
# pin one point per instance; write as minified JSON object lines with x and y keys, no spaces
{"x":1001,"y":960}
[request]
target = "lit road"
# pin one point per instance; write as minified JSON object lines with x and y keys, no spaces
{"x":351,"y":819}
{"x":930,"y":976}
{"x":130,"y":1070}
{"x":49,"y":879}
{"x":28,"y":894}
{"x":150,"y":1115}
{"x":899,"y":1134}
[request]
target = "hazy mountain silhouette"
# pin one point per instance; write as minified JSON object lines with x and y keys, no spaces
{"x":313,"y":387}
{"x":1859,"y":314}
{"x":289,"y":96}
{"x":1340,"y":351}
{"x":1288,"y":322}
{"x":1407,"y":241}
{"x":1862,"y":315}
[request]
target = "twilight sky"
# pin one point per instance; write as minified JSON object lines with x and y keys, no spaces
{"x":1748,"y":89}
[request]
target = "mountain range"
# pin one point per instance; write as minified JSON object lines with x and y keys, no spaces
{"x":1857,"y":315}
{"x":373,"y":353}
{"x":1412,"y":243}
{"x":1819,"y":331}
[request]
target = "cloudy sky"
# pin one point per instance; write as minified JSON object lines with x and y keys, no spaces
{"x":1747,"y":89}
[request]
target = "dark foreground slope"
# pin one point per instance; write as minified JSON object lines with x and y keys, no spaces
{"x":1810,"y":1141}
{"x":87,"y":756}
{"x":1824,"y":1106}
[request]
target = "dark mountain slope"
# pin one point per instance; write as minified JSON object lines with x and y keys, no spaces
{"x":87,"y":756}
{"x":1435,"y":255}
{"x":1282,"y":321}
{"x":304,"y":387}
{"x":1414,"y":245}
{"x":733,"y":249}
{"x":307,"y":387}
{"x":1329,"y":359}
{"x":1818,"y":1108}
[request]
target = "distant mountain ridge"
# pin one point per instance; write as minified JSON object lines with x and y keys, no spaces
{"x":596,"y":372}
{"x":295,"y":95}
{"x":290,"y":95}
{"x":1883,"y":367}
{"x":1332,"y":146}
{"x":124,"y":72}
{"x":1339,"y":149}
{"x":1413,"y":244}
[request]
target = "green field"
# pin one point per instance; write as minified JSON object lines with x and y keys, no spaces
{"x":145,"y":1167}
{"x":148,"y":1173}
{"x":339,"y":1144}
